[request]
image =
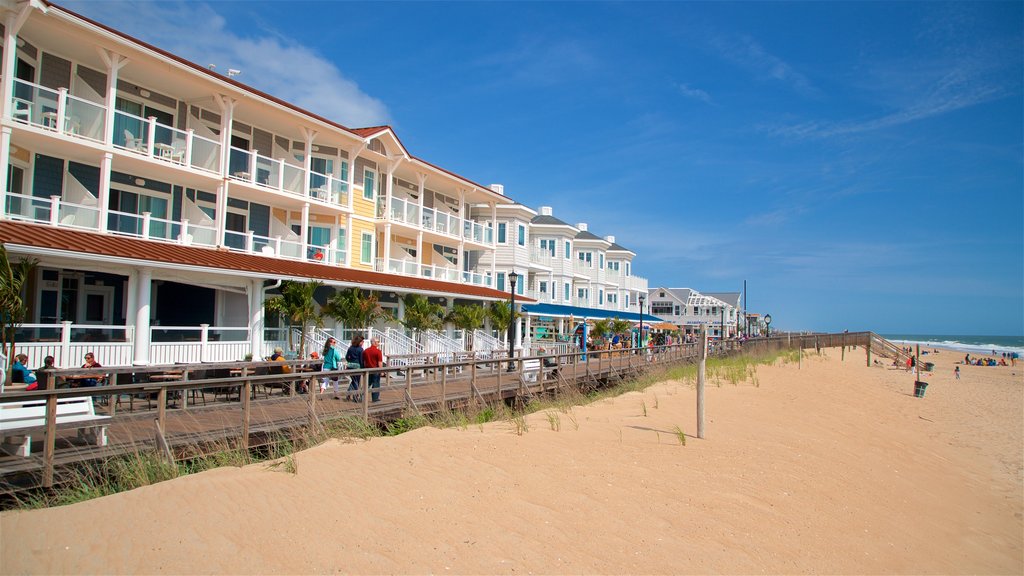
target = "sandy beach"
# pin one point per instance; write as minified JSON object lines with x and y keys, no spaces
{"x":830,"y":467}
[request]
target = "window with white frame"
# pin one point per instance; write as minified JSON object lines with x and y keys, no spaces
{"x":583,"y":294}
{"x":600,"y":260}
{"x":587,"y":258}
{"x":568,"y":250}
{"x":369,"y":184}
{"x":501,"y":281}
{"x":568,"y":291}
{"x":543,"y":287}
{"x":600,"y":297}
{"x":502,"y":227}
{"x":547,"y":245}
{"x":366,"y":253}
{"x":521,"y":240}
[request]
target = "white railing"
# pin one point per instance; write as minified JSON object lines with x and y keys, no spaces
{"x":252,"y":243}
{"x":484,"y":342}
{"x":327,"y":188}
{"x":581,"y":267}
{"x":51,"y":210}
{"x":411,"y":268}
{"x":408,"y":212}
{"x":203,"y":343}
{"x":162,"y":142}
{"x":57,"y":110}
{"x":68,"y":343}
{"x":396,"y":342}
{"x":258,"y":170}
{"x":435,"y":342}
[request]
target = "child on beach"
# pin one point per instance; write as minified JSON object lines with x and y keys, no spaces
{"x":956,"y":371}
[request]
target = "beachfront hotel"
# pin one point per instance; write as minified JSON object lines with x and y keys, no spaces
{"x":720,"y":313}
{"x":164,"y":201}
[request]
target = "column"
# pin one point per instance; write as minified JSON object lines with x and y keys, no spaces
{"x":143,"y":287}
{"x":350,"y":245}
{"x":5,"y":162}
{"x":222,"y":213}
{"x":494,"y":241}
{"x":387,"y":248}
{"x":13,"y":23}
{"x":114,"y":63}
{"x":227,"y":114}
{"x":304,"y":232}
{"x":103,"y":198}
{"x":307,"y":163}
{"x":256,"y":297}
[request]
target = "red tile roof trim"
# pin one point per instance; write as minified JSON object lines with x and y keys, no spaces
{"x":85,"y":244}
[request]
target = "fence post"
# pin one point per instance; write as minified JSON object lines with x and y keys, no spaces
{"x":868,"y":350}
{"x":65,"y":345}
{"x":246,"y":396}
{"x":51,"y":431}
{"x":701,"y":372}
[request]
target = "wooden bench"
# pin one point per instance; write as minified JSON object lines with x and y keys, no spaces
{"x":24,"y":417}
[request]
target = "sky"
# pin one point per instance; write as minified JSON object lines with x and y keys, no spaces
{"x":859,"y":164}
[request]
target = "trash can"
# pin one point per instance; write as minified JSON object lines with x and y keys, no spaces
{"x":929,"y":366}
{"x":919,"y":388}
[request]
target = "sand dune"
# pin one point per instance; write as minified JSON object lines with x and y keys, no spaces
{"x":832,"y":467}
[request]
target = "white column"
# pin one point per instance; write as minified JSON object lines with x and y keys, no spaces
{"x":387,"y":246}
{"x":256,"y":319}
{"x":494,"y":243}
{"x":308,"y":136}
{"x":349,"y":237}
{"x":222,"y":213}
{"x":422,"y":182}
{"x":103,"y":194}
{"x":304,"y":232}
{"x":5,"y":162}
{"x":114,"y":63}
{"x":143,"y":286}
{"x":12,"y":24}
{"x":227,"y":118}
{"x":419,"y":252}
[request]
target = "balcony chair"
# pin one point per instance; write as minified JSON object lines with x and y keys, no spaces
{"x":133,"y":143}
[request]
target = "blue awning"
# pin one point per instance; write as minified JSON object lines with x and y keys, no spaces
{"x":580,"y":313}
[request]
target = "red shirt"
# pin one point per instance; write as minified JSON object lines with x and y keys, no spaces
{"x":372,"y":357}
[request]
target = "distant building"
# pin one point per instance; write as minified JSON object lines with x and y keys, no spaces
{"x":690,"y":310}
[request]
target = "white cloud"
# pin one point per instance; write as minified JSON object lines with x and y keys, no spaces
{"x":695,"y":93}
{"x":272,"y":63}
{"x":748,"y":54}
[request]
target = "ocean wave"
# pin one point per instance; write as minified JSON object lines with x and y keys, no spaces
{"x":973,"y":348}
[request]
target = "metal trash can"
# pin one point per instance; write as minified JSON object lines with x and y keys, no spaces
{"x":919,"y":388}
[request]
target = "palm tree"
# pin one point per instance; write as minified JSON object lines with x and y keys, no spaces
{"x":501,"y":316}
{"x":297,"y":306}
{"x":421,"y":313}
{"x":13,"y":308}
{"x":621,"y":327}
{"x":354,"y":308}
{"x":467,"y":317}
{"x":600,"y":330}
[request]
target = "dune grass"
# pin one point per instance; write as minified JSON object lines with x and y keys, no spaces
{"x":131,"y":471}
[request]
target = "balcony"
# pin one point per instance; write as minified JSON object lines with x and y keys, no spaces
{"x":150,"y":138}
{"x":407,"y":212}
{"x":412,"y":268}
{"x":58,"y":111}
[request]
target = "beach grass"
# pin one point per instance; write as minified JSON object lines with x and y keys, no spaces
{"x":135,"y":470}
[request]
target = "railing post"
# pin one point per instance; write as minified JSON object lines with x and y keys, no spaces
{"x":183,"y":237}
{"x":277,"y":246}
{"x":51,"y":432}
{"x":54,"y":210}
{"x":145,"y":223}
{"x":62,"y":110}
{"x":252,"y":166}
{"x":249,"y":241}
{"x":204,"y":341}
{"x":65,"y":343}
{"x":246,"y":394}
{"x":151,"y":138}
{"x":189,"y":140}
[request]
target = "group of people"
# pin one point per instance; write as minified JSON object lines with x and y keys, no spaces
{"x":356,"y":357}
{"x":21,"y":374}
{"x":989,"y":361}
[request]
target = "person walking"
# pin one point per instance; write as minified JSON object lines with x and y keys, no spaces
{"x":354,"y":361}
{"x":956,"y":371}
{"x":331,"y":360}
{"x":374,"y":358}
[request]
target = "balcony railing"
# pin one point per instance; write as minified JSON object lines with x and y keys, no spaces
{"x":148,"y":137}
{"x":57,"y":110}
{"x":50,"y":210}
{"x":408,"y":212}
{"x":327,"y":188}
{"x":411,"y":268}
{"x":252,"y":243}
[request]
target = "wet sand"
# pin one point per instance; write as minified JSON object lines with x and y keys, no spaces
{"x":830,"y":467}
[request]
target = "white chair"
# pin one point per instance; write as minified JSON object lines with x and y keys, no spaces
{"x":133,"y":143}
{"x":267,"y":250}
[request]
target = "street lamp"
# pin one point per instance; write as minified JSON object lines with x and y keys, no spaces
{"x":640,"y":338}
{"x":767,"y":325}
{"x":512,"y":278}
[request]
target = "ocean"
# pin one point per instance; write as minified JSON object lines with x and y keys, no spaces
{"x":980,"y":345}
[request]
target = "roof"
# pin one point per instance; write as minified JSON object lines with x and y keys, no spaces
{"x":588,"y":235}
{"x":44,"y":240}
{"x":545,"y":220}
{"x":544,"y":309}
{"x":619,"y":248}
{"x":680,"y":294}
{"x":361,"y":132}
{"x":730,"y":298}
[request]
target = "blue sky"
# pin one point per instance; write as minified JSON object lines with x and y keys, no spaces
{"x":859,"y":164}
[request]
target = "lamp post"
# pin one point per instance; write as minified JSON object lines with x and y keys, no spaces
{"x":512,"y":278}
{"x":640,"y":338}
{"x":767,"y":325}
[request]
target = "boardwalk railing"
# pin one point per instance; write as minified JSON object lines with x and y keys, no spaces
{"x":169,"y":407}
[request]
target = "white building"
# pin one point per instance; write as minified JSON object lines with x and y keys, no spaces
{"x":719,"y":312}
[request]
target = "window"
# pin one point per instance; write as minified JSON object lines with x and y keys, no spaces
{"x":366,"y":255}
{"x":520,"y":286}
{"x":568,"y":252}
{"x":600,"y":260}
{"x":587,"y":258}
{"x":522,"y":235}
{"x":600,"y":297}
{"x":501,"y":232}
{"x":677,"y":311}
{"x":369,"y":183}
{"x":547,"y":245}
{"x":568,"y":289}
{"x":627,"y":268}
{"x":626,"y":303}
{"x":501,"y":281}
{"x":582,"y":294}
{"x":543,"y":287}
